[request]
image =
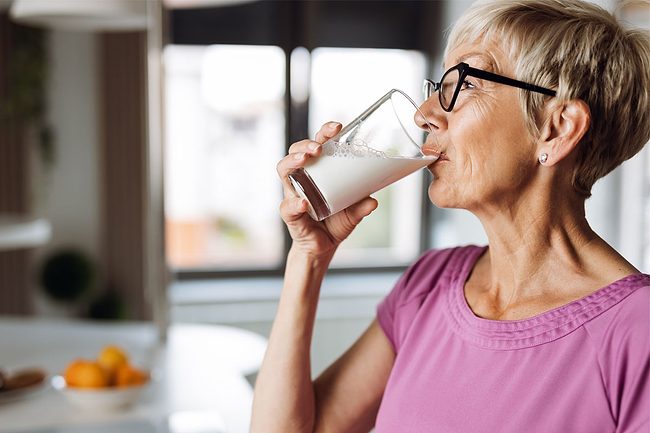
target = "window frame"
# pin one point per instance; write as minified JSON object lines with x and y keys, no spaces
{"x":289,"y":25}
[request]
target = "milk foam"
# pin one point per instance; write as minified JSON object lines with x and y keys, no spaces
{"x":352,"y":149}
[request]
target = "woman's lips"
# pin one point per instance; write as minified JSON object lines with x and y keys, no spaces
{"x":441,"y":158}
{"x":428,"y":151}
{"x":433,"y":149}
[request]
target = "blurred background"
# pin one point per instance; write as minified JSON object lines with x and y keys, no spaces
{"x":137,"y":159}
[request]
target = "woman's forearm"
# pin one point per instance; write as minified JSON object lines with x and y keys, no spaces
{"x":284,"y":394}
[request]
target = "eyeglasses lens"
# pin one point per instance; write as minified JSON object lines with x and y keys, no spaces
{"x":448,"y":87}
{"x":427,"y":89}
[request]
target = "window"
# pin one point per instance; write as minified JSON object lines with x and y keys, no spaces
{"x":224,"y":128}
{"x":344,"y":82}
{"x":243,"y":82}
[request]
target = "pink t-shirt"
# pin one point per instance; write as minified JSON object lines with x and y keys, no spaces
{"x":580,"y":368}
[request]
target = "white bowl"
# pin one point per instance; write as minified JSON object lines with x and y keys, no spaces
{"x":105,"y":399}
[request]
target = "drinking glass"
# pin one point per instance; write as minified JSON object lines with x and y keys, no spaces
{"x":378,"y":148}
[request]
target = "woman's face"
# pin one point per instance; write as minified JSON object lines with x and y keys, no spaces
{"x":488,"y":155}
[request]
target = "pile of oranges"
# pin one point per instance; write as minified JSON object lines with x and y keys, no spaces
{"x":111,"y":369}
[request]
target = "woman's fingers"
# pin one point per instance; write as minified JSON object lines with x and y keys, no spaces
{"x":305,"y":146}
{"x":327,"y":131}
{"x":362,"y":209}
{"x":292,"y":209}
{"x":288,"y":164}
{"x":342,"y":224}
{"x":300,"y":152}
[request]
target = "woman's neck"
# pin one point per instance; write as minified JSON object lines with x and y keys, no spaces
{"x":542,"y":251}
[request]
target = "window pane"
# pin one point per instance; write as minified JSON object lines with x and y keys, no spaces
{"x":344,"y":82}
{"x":225,"y":129}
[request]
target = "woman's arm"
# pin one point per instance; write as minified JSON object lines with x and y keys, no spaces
{"x":284,"y":396}
{"x":346,"y":397}
{"x":285,"y":400}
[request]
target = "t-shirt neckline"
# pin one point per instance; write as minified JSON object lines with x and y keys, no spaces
{"x":539,"y":329}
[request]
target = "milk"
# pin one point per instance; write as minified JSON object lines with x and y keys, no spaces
{"x":348,"y":172}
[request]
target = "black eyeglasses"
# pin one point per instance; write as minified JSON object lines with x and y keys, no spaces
{"x":453,"y":81}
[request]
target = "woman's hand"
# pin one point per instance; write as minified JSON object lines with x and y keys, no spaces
{"x":317,"y":239}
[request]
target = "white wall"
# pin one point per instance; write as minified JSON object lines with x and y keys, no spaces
{"x":68,"y":192}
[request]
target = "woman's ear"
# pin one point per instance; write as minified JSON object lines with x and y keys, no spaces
{"x":567,"y":124}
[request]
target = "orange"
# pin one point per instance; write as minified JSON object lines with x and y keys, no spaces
{"x":111,"y":358}
{"x":127,"y":375}
{"x":82,"y":373}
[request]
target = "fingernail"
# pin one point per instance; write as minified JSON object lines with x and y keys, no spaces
{"x":332,"y":125}
{"x":298,"y":156}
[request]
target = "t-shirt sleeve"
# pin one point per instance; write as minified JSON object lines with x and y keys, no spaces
{"x":625,"y":360}
{"x":387,"y":308}
{"x":398,"y":309}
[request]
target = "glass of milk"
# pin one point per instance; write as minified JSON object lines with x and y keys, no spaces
{"x":376,"y":149}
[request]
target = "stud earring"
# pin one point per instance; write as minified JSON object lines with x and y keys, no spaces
{"x":543,"y":158}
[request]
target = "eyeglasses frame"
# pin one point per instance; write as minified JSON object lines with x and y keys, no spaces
{"x":466,"y":70}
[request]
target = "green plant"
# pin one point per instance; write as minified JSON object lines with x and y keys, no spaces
{"x":67,"y":275}
{"x":27,"y":71}
{"x":27,"y":74}
{"x":108,"y":306}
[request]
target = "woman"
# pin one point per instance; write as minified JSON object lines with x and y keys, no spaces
{"x":544,"y":330}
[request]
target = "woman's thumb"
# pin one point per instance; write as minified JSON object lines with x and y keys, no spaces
{"x":362,"y":209}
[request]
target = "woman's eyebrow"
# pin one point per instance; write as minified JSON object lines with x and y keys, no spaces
{"x":485,"y":58}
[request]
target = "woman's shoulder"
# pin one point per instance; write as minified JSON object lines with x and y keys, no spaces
{"x":434,"y":271}
{"x":625,"y":325}
{"x":452,"y":259}
{"x":434,"y":267}
{"x":628,"y":300}
{"x":443,"y":257}
{"x":635,"y":307}
{"x":621,"y":338}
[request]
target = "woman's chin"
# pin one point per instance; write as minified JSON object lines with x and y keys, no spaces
{"x":440,"y":197}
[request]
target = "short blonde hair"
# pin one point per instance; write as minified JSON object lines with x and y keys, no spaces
{"x":582,"y":51}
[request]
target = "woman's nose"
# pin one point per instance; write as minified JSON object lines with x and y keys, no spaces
{"x":429,"y":117}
